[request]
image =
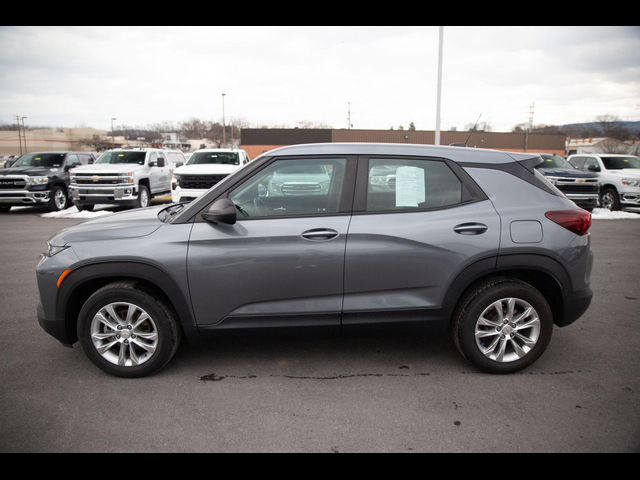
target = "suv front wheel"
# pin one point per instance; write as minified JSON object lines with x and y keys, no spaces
{"x":127,"y":330}
{"x":503,"y":326}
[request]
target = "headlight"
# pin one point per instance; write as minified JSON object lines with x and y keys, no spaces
{"x":631,"y":182}
{"x":379,"y":180}
{"x":38,"y":180}
{"x":52,"y":250}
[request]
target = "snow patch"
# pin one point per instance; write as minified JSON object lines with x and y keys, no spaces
{"x":604,"y":214}
{"x":74,"y":213}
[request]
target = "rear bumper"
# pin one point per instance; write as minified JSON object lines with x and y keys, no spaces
{"x":575,"y":305}
{"x":56,"y":328}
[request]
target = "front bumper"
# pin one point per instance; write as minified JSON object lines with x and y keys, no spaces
{"x":90,"y":195}
{"x":630,"y":201}
{"x":584,"y":200}
{"x":179,"y":194}
{"x":23,"y":197}
{"x":56,"y":328}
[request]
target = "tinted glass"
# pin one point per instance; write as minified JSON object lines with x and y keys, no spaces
{"x":292,"y":187}
{"x":620,"y":163}
{"x":205,"y":158}
{"x":123,"y":157}
{"x":555,"y":161}
{"x":411,"y":184}
{"x":45,"y":160}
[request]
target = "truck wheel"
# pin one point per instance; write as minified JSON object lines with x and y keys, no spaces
{"x":610,"y":200}
{"x":128,"y":331}
{"x":86,"y":208}
{"x":5,"y":208}
{"x":59,"y":200}
{"x":503,"y":326}
{"x":144,"y":197}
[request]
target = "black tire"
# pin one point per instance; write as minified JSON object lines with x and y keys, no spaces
{"x":590,"y":210}
{"x":477,"y":301}
{"x":610,"y":200}
{"x":168,"y":331}
{"x":142,"y":191}
{"x":86,"y":208}
{"x":54,"y":205}
{"x":5,"y":208}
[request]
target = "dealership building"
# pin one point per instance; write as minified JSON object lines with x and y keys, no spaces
{"x":256,"y":141}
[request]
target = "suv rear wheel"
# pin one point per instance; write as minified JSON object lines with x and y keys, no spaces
{"x":503,"y":326}
{"x":127,"y":330}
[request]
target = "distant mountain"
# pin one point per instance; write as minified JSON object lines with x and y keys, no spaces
{"x":573,"y":128}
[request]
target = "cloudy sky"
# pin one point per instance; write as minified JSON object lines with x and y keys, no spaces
{"x":67,"y":76}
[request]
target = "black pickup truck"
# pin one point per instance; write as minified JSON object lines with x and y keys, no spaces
{"x":581,"y":187}
{"x":40,"y":178}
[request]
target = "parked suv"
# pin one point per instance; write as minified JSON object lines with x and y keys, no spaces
{"x":619,"y":178}
{"x":40,"y":179}
{"x":474,"y":239}
{"x":581,"y":187}
{"x":126,"y":177}
{"x":204,"y":169}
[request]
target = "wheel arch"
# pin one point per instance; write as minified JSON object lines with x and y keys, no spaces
{"x":544,"y":273}
{"x":83,"y":282}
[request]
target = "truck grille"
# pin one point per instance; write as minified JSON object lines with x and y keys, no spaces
{"x":301,"y":189}
{"x":12,"y":183}
{"x":203,"y":182}
{"x":579,"y":188}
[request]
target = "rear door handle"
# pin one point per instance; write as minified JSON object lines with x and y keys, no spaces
{"x":471,"y":229}
{"x":318,"y":234}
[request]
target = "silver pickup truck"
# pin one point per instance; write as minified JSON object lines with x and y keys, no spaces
{"x":127,"y":177}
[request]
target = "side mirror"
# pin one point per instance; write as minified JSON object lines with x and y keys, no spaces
{"x":593,"y":168}
{"x":222,"y":211}
{"x":161,"y":163}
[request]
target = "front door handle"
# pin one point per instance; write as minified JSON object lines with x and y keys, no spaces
{"x":319,"y":234}
{"x":471,"y":229}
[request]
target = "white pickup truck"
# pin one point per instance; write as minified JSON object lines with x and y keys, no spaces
{"x":127,"y":177}
{"x":619,"y":177}
{"x":205,"y":168}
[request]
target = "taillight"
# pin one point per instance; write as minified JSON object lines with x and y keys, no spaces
{"x":576,"y":221}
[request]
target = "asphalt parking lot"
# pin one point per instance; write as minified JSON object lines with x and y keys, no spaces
{"x":387,"y":393}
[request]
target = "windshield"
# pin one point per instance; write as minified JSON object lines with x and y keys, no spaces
{"x":620,"y":163}
{"x":217,"y":158}
{"x":123,"y":157}
{"x":555,"y":161}
{"x":45,"y":160}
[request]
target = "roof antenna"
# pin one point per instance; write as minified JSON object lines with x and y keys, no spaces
{"x":469,"y":137}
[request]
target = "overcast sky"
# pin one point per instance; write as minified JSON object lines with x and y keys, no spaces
{"x":67,"y":76}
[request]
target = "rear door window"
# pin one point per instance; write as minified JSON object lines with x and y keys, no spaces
{"x":407,"y":184}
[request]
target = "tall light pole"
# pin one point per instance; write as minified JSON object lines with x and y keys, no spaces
{"x":113,"y":140}
{"x":224,"y":126}
{"x":24,"y":133}
{"x":19,"y":133}
{"x":440,"y":47}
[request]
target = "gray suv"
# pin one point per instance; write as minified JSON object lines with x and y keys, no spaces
{"x":477,"y":240}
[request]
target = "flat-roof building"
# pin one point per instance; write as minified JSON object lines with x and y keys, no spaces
{"x":256,"y":141}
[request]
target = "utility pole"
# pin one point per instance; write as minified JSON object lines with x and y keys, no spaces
{"x":526,"y":136}
{"x":19,"y":134}
{"x":24,"y":132}
{"x":438,"y":105}
{"x":113,"y":140}
{"x":224,"y":127}
{"x":349,"y":116}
